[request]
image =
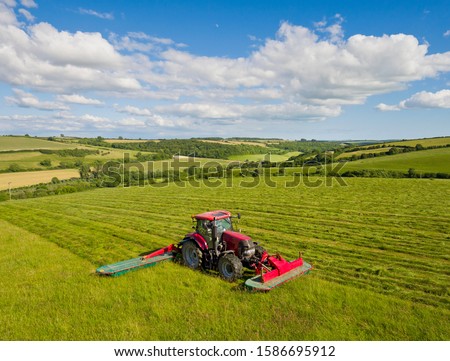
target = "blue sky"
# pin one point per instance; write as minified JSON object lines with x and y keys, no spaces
{"x":163,"y":69}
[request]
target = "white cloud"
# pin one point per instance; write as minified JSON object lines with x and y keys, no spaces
{"x":28,"y":100}
{"x":7,"y":16}
{"x":299,"y":74}
{"x":106,"y":16}
{"x":41,"y":57}
{"x":28,"y":3}
{"x":27,"y":15}
{"x":133,"y":110}
{"x":387,"y":108}
{"x":132,"y":122}
{"x":447,"y":33}
{"x":141,"y":42}
{"x":440,"y":99}
{"x":10,"y":3}
{"x":423,"y":99}
{"x":97,"y":122}
{"x":78,"y":99}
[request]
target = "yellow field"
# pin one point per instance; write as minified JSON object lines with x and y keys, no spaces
{"x":23,"y":179}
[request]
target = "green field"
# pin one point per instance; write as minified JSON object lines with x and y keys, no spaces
{"x":25,"y":143}
{"x":261,"y":157}
{"x":380,"y":248}
{"x":430,"y":160}
{"x":15,"y":152}
{"x":426,"y":142}
{"x":362,"y":151}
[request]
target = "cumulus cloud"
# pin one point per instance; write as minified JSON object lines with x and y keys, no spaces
{"x":41,"y":57}
{"x":299,"y":74}
{"x":28,"y":100}
{"x":447,"y":33}
{"x":423,"y":99}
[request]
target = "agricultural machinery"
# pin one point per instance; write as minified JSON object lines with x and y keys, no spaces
{"x":215,"y":245}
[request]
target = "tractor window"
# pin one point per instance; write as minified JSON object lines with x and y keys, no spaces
{"x":205,"y":229}
{"x":224,"y":225}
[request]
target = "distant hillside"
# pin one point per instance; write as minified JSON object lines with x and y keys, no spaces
{"x":431,"y":160}
{"x":29,"y":143}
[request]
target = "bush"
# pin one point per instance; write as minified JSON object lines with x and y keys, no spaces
{"x":55,"y":180}
{"x":46,"y":163}
{"x":14,"y":167}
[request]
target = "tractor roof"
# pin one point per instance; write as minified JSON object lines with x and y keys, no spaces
{"x":210,"y":216}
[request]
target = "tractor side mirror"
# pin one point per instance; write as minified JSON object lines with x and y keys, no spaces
{"x":239,"y":216}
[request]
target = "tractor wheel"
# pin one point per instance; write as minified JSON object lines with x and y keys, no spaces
{"x":192,"y":255}
{"x":230,"y":267}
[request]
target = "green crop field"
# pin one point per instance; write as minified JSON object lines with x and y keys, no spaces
{"x":430,"y":160}
{"x":380,"y":248}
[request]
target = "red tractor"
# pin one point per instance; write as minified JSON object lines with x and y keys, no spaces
{"x":215,"y":245}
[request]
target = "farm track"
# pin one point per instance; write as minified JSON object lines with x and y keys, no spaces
{"x":388,"y":236}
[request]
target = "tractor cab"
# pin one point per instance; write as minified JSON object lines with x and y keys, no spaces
{"x":212,"y":225}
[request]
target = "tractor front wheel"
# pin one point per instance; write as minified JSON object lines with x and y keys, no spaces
{"x":230,"y":267}
{"x":192,"y":255}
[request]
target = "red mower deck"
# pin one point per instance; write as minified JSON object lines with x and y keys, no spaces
{"x":257,"y":284}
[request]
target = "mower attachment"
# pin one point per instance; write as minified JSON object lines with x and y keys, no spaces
{"x":278,"y":272}
{"x":149,"y":260}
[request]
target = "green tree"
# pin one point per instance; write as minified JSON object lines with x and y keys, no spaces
{"x":84,"y":171}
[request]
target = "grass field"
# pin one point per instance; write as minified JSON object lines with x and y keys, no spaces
{"x":261,"y":157}
{"x":427,"y":142}
{"x":32,"y":159}
{"x":430,"y":160}
{"x":380,"y":248}
{"x":362,"y":151}
{"x":24,"y":179}
{"x":24,"y":143}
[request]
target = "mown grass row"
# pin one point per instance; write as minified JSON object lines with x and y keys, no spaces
{"x":389,"y":236}
{"x":48,"y":293}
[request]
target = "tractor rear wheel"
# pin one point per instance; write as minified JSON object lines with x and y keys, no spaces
{"x":230,"y":267}
{"x":192,"y":255}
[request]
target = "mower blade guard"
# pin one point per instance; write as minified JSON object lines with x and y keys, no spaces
{"x":149,"y":260}
{"x":281,"y":271}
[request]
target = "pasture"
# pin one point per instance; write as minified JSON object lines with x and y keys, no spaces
{"x":261,"y":157}
{"x":430,"y":160}
{"x":380,"y":248}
